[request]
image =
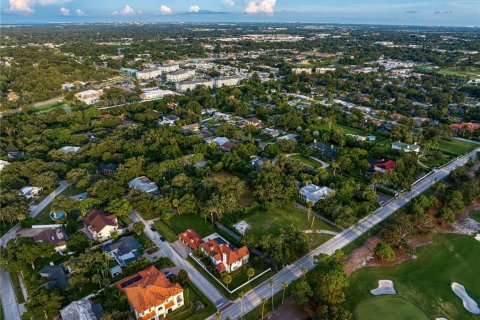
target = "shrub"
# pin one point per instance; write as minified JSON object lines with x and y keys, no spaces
{"x":384,"y":252}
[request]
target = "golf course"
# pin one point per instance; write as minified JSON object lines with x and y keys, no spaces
{"x":423,"y":285}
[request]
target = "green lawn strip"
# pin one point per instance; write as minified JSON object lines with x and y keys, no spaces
{"x":182,"y":222}
{"x":306,"y":161}
{"x":425,"y":282}
{"x":388,"y":308}
{"x":256,"y":313}
{"x":16,"y":287}
{"x":271,"y":221}
{"x":165,"y":230}
{"x":456,"y":147}
{"x":475,"y":215}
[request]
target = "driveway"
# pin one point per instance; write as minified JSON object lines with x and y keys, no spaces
{"x":195,"y":276}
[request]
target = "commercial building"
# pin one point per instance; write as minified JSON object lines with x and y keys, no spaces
{"x":227,"y":81}
{"x":89,"y":97}
{"x":149,"y":74}
{"x":190,"y":85}
{"x":156,"y":94}
{"x":324,"y":70}
{"x":179,"y":75}
{"x":301,"y":70}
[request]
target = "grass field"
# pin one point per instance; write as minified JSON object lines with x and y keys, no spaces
{"x":475,"y":215}
{"x":456,"y":147}
{"x":197,"y":223}
{"x":425,"y":282}
{"x":388,"y":308}
{"x":306,"y":161}
{"x":467,"y":73}
{"x":342,"y":128}
{"x":270,"y":222}
{"x":50,"y":107}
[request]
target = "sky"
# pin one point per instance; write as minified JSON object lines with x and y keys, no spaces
{"x":392,"y":12}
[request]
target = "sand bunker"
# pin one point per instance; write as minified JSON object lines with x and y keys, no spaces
{"x":477,"y":237}
{"x":441,"y":319}
{"x":384,"y":287}
{"x":468,"y":303}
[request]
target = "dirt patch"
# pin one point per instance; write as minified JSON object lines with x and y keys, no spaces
{"x":289,"y":310}
{"x":365,"y":256}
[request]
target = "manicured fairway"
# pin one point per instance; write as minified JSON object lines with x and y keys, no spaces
{"x":425,"y":282}
{"x":388,"y":308}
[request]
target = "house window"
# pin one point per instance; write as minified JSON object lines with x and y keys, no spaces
{"x":179,"y":299}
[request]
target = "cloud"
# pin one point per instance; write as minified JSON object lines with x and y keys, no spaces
{"x":194,"y":9}
{"x":125,"y":11}
{"x":49,"y":2}
{"x":165,"y":9}
{"x":230,"y":3}
{"x":21,"y":6}
{"x":64,"y":11}
{"x":260,"y":6}
{"x":411,"y":12}
{"x":80,"y":12}
{"x":444,"y":12}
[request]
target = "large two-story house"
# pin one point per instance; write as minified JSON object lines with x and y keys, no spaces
{"x":100,"y":226}
{"x":150,"y":294}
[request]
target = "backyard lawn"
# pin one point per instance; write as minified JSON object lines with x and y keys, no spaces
{"x":197,"y":223}
{"x":306,"y":161}
{"x":44,"y":215}
{"x":456,"y":147}
{"x":424,"y":282}
{"x":270,"y":222}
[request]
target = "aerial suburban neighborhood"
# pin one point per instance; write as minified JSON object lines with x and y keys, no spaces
{"x":237,"y":168}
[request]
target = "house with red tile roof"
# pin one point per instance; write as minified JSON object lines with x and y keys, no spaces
{"x":150,"y":294}
{"x":470,"y":127}
{"x":100,"y":226}
{"x":191,"y":239}
{"x":384,"y":165}
{"x":223,"y":257}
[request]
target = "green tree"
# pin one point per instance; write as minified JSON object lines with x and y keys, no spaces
{"x":329,"y":278}
{"x":121,"y":207}
{"x":301,"y":291}
{"x":250,"y":273}
{"x":44,"y":304}
{"x":384,"y":252}
{"x":138,"y":228}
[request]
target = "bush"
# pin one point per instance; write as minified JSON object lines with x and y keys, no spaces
{"x":384,"y":252}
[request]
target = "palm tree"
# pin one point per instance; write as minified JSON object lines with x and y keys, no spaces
{"x":227,"y":279}
{"x":309,"y":209}
{"x":250,"y":273}
{"x":264,"y":301}
{"x":272,"y":284}
{"x":335,"y":167}
{"x":284,"y":287}
{"x":304,"y":271}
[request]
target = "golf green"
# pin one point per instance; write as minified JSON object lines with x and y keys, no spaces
{"x":425,"y":282}
{"x":388,"y":308}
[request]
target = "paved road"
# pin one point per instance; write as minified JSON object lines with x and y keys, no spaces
{"x":197,"y":278}
{"x":292,"y":272}
{"x":45,"y":202}
{"x":9,"y":303}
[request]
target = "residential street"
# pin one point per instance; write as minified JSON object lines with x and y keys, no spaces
{"x":292,"y":272}
{"x":9,"y":303}
{"x":197,"y":278}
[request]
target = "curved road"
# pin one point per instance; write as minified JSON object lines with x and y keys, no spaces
{"x":294,"y":271}
{"x":9,"y":303}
